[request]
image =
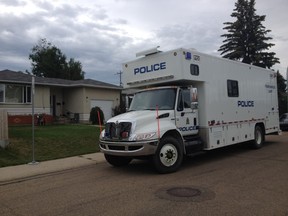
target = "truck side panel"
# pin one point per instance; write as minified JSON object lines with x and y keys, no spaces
{"x":232,"y":97}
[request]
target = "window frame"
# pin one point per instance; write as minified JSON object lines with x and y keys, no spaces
{"x":182,"y":102}
{"x":2,"y":91}
{"x":194,"y":69}
{"x":232,"y":88}
{"x":25,"y":94}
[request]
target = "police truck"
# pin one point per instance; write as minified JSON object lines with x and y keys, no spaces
{"x":186,"y":102}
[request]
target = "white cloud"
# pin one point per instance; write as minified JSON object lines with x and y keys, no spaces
{"x":104,"y":34}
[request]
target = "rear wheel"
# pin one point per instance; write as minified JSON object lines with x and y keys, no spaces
{"x":169,"y":155}
{"x":117,"y":161}
{"x":259,"y":137}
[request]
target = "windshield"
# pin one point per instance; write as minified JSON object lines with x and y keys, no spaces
{"x":148,"y":100}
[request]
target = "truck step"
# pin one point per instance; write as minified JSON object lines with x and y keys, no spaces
{"x":193,"y":144}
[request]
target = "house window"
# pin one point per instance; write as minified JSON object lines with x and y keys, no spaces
{"x":232,"y":88}
{"x":13,"y":94}
{"x":2,"y":88}
{"x":27,"y":94}
{"x":10,"y":93}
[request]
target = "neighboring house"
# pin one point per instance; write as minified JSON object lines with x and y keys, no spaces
{"x":56,"y":97}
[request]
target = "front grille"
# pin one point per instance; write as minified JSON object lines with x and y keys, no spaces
{"x":122,"y":148}
{"x":117,"y":131}
{"x":116,"y":148}
{"x":134,"y":148}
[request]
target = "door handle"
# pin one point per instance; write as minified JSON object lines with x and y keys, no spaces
{"x":182,"y":114}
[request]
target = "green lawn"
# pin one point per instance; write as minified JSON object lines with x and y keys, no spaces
{"x":51,"y":142}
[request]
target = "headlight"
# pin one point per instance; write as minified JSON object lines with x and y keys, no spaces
{"x":102,"y":134}
{"x":144,"y":136}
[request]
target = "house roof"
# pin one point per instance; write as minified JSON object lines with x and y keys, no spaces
{"x":9,"y":76}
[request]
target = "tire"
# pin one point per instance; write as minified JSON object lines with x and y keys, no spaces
{"x":259,"y":137}
{"x":169,"y":155}
{"x":117,"y":161}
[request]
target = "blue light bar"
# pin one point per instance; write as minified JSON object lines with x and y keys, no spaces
{"x":188,"y":56}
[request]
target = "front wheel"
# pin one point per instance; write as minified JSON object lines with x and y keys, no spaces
{"x":117,"y":161}
{"x":259,"y":137}
{"x":169,"y":155}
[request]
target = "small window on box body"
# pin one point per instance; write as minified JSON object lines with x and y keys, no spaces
{"x":194,"y":69}
{"x":232,"y":88}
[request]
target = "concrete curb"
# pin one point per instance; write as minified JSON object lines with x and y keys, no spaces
{"x":27,"y":170}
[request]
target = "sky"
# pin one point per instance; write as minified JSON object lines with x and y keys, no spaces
{"x":102,"y":34}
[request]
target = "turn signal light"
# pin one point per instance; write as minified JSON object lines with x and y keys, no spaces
{"x":124,"y":134}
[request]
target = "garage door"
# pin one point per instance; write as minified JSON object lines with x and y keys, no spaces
{"x":105,"y":105}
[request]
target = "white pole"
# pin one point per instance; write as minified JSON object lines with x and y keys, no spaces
{"x":33,"y":124}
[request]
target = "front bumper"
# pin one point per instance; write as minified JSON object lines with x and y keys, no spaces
{"x":131,"y":149}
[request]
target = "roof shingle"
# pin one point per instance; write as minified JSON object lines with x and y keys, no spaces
{"x":9,"y":76}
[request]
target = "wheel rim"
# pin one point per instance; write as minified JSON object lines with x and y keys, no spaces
{"x":258,"y":137}
{"x":168,"y":155}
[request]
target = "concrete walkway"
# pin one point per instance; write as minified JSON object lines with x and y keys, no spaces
{"x":26,"y":170}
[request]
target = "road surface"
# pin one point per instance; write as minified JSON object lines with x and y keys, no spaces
{"x":229,"y":181}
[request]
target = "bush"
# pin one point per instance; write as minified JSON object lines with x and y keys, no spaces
{"x":94,"y":115}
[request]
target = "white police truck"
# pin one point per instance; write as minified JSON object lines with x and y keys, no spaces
{"x":189,"y":102}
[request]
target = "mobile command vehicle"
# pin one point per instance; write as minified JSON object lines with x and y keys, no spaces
{"x":188,"y":102}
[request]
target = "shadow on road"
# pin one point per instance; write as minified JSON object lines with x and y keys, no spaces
{"x":145,"y":167}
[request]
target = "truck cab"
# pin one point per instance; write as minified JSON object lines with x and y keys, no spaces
{"x":162,"y":116}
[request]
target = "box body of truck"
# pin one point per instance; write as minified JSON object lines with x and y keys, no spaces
{"x":217,"y":102}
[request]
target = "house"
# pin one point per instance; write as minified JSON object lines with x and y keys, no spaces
{"x":56,"y":97}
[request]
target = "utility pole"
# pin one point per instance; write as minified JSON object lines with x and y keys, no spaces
{"x":120,"y":75}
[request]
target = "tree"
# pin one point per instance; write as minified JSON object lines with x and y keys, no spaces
{"x":282,"y":94}
{"x":74,"y":70}
{"x":246,"y":39}
{"x":49,"y":61}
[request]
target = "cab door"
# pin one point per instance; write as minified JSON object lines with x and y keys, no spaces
{"x":187,"y":112}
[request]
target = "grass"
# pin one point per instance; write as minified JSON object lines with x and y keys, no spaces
{"x":51,"y":142}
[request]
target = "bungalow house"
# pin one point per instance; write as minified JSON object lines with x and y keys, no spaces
{"x":56,"y":97}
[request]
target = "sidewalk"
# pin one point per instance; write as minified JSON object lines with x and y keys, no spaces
{"x":26,"y":170}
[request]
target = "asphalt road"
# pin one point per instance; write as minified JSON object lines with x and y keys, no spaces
{"x":230,"y":181}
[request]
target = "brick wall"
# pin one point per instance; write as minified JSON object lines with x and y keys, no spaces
{"x":27,"y":120}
